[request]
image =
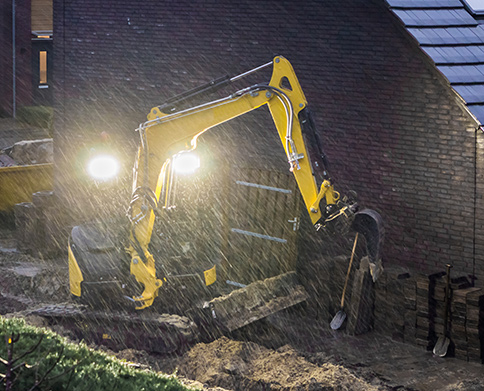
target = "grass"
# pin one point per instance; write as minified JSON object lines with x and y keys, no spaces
{"x":72,"y":367}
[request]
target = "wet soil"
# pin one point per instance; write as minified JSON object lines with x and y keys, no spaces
{"x":287,"y":351}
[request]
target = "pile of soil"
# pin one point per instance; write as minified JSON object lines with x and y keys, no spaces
{"x":33,"y":280}
{"x":241,"y":366}
{"x":9,"y":305}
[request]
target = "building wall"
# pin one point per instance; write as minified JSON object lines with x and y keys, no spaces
{"x":23,"y":56}
{"x":392,"y":128}
{"x":478,"y":261}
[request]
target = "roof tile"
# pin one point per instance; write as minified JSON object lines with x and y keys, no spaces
{"x":424,"y":3}
{"x":453,"y":39}
{"x":464,"y":73}
{"x":471,"y":93}
{"x":435,"y":17}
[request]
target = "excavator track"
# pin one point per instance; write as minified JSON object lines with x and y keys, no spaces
{"x":170,"y":333}
{"x":155,"y":333}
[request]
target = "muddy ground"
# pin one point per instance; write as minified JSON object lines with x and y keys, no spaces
{"x":288,"y":351}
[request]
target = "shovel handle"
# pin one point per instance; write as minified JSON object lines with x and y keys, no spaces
{"x":348,"y":272}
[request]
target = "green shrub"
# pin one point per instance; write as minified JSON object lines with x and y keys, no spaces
{"x":80,"y":368}
{"x":38,"y":116}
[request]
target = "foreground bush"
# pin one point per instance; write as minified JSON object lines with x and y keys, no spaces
{"x":62,"y":366}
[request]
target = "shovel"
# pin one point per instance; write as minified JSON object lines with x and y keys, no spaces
{"x":442,"y":345}
{"x":340,"y":316}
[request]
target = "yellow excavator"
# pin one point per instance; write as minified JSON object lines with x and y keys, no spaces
{"x":102,"y":260}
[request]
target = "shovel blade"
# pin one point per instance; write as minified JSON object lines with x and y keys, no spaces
{"x":441,"y":347}
{"x":338,"y":320}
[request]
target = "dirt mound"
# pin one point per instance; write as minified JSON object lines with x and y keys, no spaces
{"x":8,"y":305}
{"x":23,"y":276}
{"x":247,"y":366}
{"x":466,"y":385}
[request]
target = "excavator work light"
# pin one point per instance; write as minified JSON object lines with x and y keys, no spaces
{"x":186,"y":163}
{"x":103,"y":167}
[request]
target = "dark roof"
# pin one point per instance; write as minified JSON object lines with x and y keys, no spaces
{"x":453,"y":38}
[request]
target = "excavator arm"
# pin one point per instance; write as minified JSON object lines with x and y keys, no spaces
{"x":165,"y":135}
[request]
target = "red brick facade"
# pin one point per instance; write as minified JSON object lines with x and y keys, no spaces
{"x":393,"y":129}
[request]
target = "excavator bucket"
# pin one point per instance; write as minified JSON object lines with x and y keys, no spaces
{"x":369,"y":223}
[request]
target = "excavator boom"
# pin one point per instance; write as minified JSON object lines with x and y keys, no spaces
{"x":165,"y":135}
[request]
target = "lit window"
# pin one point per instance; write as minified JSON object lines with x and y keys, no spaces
{"x":43,"y":67}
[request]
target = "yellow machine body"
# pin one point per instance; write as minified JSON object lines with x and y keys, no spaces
{"x":166,"y":134}
{"x":169,"y":134}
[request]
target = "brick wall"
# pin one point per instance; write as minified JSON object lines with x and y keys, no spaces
{"x":392,"y":128}
{"x":478,"y":264}
{"x":23,"y":53}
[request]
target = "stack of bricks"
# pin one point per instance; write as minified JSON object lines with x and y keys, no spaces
{"x":419,"y":318}
{"x":465,"y":314}
{"x":410,"y":313}
{"x":437,"y":293}
{"x":422,"y":311}
{"x":475,"y":325}
{"x":393,"y":315}
{"x":26,"y":226}
{"x":383,"y":305}
{"x":35,"y":225}
{"x":459,"y":318}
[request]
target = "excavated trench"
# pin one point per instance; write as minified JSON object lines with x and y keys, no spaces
{"x":293,"y":350}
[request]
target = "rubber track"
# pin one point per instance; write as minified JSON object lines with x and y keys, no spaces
{"x":155,"y":333}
